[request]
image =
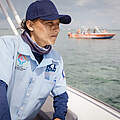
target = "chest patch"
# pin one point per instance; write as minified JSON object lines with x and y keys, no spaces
{"x":50,"y":71}
{"x":22,"y":62}
{"x":51,"y":68}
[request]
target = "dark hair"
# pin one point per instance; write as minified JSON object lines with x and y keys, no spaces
{"x":23,"y":26}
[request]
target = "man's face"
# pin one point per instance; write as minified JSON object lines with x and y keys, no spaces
{"x":44,"y":32}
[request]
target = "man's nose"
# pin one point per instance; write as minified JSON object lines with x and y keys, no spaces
{"x":55,"y":27}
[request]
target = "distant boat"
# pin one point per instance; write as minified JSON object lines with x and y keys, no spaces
{"x":96,"y":33}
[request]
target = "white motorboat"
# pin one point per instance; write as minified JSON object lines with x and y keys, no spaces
{"x":96,"y":33}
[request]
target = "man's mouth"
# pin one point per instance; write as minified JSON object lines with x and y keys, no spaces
{"x":53,"y":35}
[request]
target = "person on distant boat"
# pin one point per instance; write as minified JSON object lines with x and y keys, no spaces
{"x":69,"y":34}
{"x":94,"y":31}
{"x":30,"y":69}
{"x":88,"y":31}
{"x":78,"y":31}
{"x":104,"y":31}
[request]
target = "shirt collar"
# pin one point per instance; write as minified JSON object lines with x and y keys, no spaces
{"x":25,"y":49}
{"x":33,"y":45}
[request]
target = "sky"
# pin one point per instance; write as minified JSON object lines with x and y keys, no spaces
{"x":89,"y":13}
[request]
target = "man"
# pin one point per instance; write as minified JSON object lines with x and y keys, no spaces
{"x":29,"y":67}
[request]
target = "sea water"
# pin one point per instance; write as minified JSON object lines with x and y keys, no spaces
{"x":92,"y":66}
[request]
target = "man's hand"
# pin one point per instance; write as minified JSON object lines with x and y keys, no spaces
{"x":57,"y":119}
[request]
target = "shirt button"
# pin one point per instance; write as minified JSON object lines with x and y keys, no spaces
{"x":21,"y":108}
{"x":28,"y":94}
{"x":33,"y":79}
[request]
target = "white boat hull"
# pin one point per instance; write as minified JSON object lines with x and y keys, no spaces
{"x":88,"y":108}
{"x":92,"y":36}
{"x":81,"y":107}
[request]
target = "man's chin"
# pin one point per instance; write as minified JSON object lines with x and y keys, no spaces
{"x":52,"y":41}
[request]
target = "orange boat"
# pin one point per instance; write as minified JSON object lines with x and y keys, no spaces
{"x":96,"y":33}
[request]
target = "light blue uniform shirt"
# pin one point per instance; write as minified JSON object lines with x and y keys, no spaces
{"x":29,"y":83}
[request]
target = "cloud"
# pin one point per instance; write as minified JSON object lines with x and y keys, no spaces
{"x":84,"y":2}
{"x":112,"y":2}
{"x":82,"y":11}
{"x":111,"y":10}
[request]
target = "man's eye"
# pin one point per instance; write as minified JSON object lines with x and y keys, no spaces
{"x":50,"y":24}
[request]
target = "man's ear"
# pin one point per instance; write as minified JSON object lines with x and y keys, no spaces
{"x":29,"y":25}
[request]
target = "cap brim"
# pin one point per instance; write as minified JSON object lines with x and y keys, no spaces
{"x":64,"y":19}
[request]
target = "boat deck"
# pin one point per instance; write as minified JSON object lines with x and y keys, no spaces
{"x":46,"y":112}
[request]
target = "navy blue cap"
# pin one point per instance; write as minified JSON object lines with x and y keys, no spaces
{"x":45,"y":10}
